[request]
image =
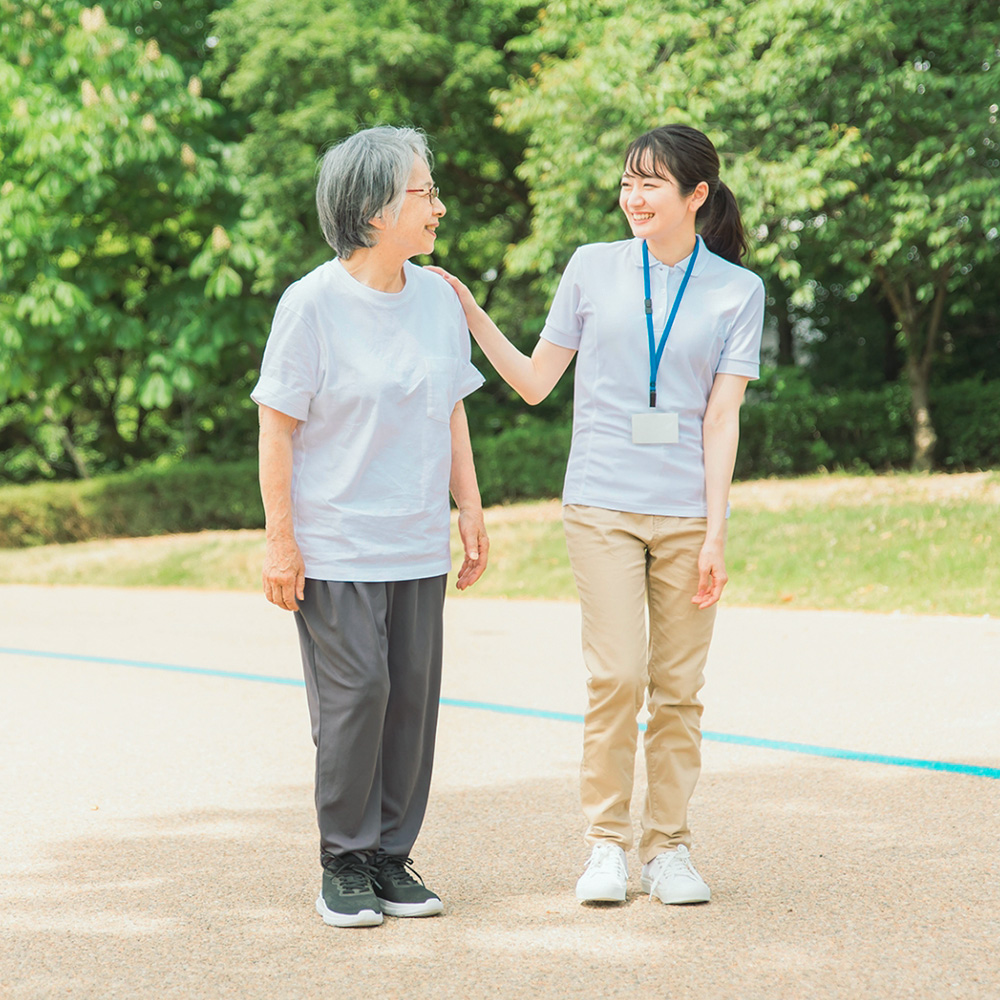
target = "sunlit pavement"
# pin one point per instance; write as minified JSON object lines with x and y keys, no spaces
{"x":158,"y":836}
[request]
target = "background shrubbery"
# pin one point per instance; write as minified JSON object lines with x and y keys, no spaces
{"x":788,"y":428}
{"x":153,"y":500}
{"x":791,"y":428}
{"x":157,"y":196}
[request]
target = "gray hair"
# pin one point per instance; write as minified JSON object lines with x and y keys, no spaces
{"x":362,"y":178}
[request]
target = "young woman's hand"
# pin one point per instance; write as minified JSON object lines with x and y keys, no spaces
{"x":464,"y":295}
{"x":712,"y":575}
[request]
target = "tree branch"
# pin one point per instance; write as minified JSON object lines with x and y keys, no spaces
{"x":934,"y":323}
{"x":890,"y":293}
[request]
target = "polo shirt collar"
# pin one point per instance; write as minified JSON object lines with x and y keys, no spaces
{"x":699,"y":264}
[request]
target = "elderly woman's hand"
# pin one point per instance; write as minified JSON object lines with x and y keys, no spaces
{"x":284,"y":573}
{"x":475,"y":541}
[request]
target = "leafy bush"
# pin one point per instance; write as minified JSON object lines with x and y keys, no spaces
{"x":967,"y":419}
{"x":151,"y":500}
{"x":788,"y":428}
{"x":524,"y":462}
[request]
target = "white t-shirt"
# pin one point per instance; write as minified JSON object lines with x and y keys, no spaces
{"x":598,"y":310}
{"x":374,"y":377}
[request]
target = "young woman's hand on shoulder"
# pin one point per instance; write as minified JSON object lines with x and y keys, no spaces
{"x":533,"y":378}
{"x":465,"y":297}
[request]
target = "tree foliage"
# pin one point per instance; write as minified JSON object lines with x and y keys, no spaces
{"x":861,"y":138}
{"x":122,"y":261}
{"x":157,"y":172}
{"x":309,"y":74}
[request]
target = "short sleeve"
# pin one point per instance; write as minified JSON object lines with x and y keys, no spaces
{"x":468,"y":378}
{"x":563,"y":326}
{"x":741,"y":353}
{"x":291,"y":369}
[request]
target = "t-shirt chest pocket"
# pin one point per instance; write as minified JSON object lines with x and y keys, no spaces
{"x":440,"y":379}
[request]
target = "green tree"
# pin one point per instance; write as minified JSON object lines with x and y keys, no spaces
{"x":122,"y":326}
{"x":860,"y":138}
{"x":910,"y":91}
{"x":311,"y":73}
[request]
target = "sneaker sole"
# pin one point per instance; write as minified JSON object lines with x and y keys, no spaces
{"x":603,"y":894}
{"x":681,"y":899}
{"x":364,"y":918}
{"x":430,"y":908}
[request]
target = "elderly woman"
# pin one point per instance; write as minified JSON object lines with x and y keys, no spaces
{"x":362,"y":431}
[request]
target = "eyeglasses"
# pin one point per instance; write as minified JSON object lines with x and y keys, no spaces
{"x":432,"y":193}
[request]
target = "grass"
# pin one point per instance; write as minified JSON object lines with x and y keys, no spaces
{"x":919,"y":558}
{"x":213,"y":560}
{"x":913,"y":544}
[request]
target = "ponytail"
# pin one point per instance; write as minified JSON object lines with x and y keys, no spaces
{"x":690,"y":158}
{"x":722,"y":226}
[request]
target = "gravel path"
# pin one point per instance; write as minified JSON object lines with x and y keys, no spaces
{"x":158,"y":835}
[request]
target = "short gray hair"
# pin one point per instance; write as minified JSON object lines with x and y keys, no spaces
{"x":364,"y":177}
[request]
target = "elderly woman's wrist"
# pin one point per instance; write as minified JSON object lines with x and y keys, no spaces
{"x":279,"y":535}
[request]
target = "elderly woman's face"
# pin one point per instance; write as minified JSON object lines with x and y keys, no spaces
{"x":416,"y":228}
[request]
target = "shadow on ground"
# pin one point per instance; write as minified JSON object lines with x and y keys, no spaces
{"x":830,"y":879}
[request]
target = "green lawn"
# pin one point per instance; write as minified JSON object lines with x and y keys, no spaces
{"x":895,"y":543}
{"x":934,"y":557}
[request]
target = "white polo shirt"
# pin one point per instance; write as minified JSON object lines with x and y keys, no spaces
{"x":374,"y":377}
{"x":598,"y":311}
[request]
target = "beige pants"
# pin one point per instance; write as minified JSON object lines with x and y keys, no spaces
{"x":621,"y":561}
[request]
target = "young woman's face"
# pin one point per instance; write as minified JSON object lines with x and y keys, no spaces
{"x":654,"y":206}
{"x":415,"y":231}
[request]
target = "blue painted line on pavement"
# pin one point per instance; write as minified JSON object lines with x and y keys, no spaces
{"x":755,"y":741}
{"x":808,"y":749}
{"x":147,"y":665}
{"x":530,"y":713}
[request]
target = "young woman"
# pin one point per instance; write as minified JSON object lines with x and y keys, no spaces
{"x":667,"y":330}
{"x":362,"y":432}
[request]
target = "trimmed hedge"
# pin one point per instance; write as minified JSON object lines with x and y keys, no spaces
{"x":524,"y":462}
{"x":798,"y":430}
{"x":967,"y":419}
{"x":150,"y":500}
{"x":788,"y":428}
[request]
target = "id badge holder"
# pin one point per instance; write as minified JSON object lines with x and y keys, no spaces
{"x":654,"y":428}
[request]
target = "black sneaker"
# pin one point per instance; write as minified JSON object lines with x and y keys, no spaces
{"x":348,"y":897}
{"x":400,"y":890}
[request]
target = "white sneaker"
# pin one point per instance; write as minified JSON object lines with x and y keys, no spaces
{"x":672,"y":878}
{"x":606,"y":876}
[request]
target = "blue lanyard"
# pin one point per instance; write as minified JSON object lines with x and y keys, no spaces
{"x":655,"y":353}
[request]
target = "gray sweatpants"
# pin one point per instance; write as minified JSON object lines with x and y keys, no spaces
{"x":372,"y":659}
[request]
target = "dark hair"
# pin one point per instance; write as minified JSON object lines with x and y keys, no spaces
{"x":691,"y":158}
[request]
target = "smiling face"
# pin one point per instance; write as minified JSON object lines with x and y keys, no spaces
{"x":656,"y":209}
{"x":415,"y":231}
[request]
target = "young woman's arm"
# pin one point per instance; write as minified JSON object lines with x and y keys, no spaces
{"x":532,"y":378}
{"x":721,"y":435}
{"x":284,"y":573}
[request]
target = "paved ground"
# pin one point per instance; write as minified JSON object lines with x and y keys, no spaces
{"x":158,"y":837}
